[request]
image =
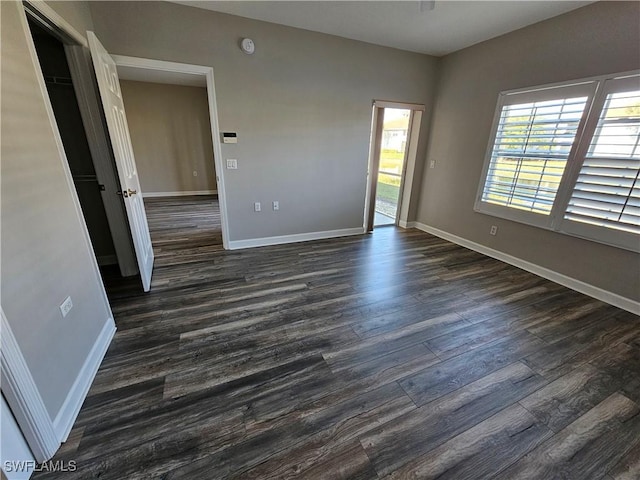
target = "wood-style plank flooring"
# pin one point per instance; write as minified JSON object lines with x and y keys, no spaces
{"x":395,"y":354}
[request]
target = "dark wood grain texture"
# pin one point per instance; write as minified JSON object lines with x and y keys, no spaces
{"x":393,"y":354}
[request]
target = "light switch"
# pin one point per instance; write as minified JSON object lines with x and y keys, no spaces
{"x":232,"y":163}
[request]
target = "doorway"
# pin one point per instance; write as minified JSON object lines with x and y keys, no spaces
{"x":173,"y":73}
{"x":89,"y":184}
{"x":169,"y":124}
{"x":393,"y":150}
{"x":392,"y":157}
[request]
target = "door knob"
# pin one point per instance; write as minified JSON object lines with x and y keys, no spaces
{"x":127,"y":193}
{"x":132,"y":192}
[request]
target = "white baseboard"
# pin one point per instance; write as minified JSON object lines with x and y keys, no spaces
{"x":404,"y":224}
{"x":299,"y":237}
{"x":71,"y":407}
{"x":178,"y":194}
{"x":569,"y":282}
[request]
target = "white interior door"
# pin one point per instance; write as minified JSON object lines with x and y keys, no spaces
{"x":111,"y":96}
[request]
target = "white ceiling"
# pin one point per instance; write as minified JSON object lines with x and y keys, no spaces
{"x":449,"y":26}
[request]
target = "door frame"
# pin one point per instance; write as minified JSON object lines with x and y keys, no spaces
{"x":196,"y":70}
{"x":408,"y":167}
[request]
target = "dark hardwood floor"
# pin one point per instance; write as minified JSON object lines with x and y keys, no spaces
{"x":394,"y":354}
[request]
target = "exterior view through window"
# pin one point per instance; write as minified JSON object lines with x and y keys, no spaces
{"x":392,"y":157}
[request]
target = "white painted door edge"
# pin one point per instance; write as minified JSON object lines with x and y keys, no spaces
{"x":118,"y":129}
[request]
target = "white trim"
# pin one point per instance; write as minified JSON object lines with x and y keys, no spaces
{"x":404,"y":224}
{"x":179,"y":194}
{"x":41,"y":9}
{"x":160,"y":65}
{"x":577,"y":81}
{"x":569,"y":282}
{"x":23,"y":396}
{"x":372,"y":166}
{"x":217,"y":158}
{"x":408,"y":173}
{"x":401,"y":105}
{"x":150,"y":64}
{"x":14,"y":448}
{"x":298,"y":237}
{"x":69,"y":410}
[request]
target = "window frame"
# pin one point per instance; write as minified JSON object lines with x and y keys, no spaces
{"x":596,"y":90}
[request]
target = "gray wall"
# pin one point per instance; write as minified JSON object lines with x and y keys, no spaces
{"x":76,"y":13}
{"x":598,"y":39}
{"x":44,"y":251}
{"x":171,"y":136}
{"x":301,"y":106}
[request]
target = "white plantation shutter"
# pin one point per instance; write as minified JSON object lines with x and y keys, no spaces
{"x":567,"y":158}
{"x":533,"y":138}
{"x":607,"y":192}
{"x":530,"y":152}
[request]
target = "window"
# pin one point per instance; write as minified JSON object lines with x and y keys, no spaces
{"x":567,"y":158}
{"x":532,"y":144}
{"x":607,"y":192}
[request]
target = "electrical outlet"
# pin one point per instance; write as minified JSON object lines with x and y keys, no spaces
{"x":276,"y":205}
{"x":66,"y":306}
{"x":432,"y":164}
{"x":494,"y":230}
{"x":232,"y":163}
{"x":195,"y":173}
{"x":257,"y":207}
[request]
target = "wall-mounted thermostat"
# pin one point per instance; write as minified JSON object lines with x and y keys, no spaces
{"x":229,"y":137}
